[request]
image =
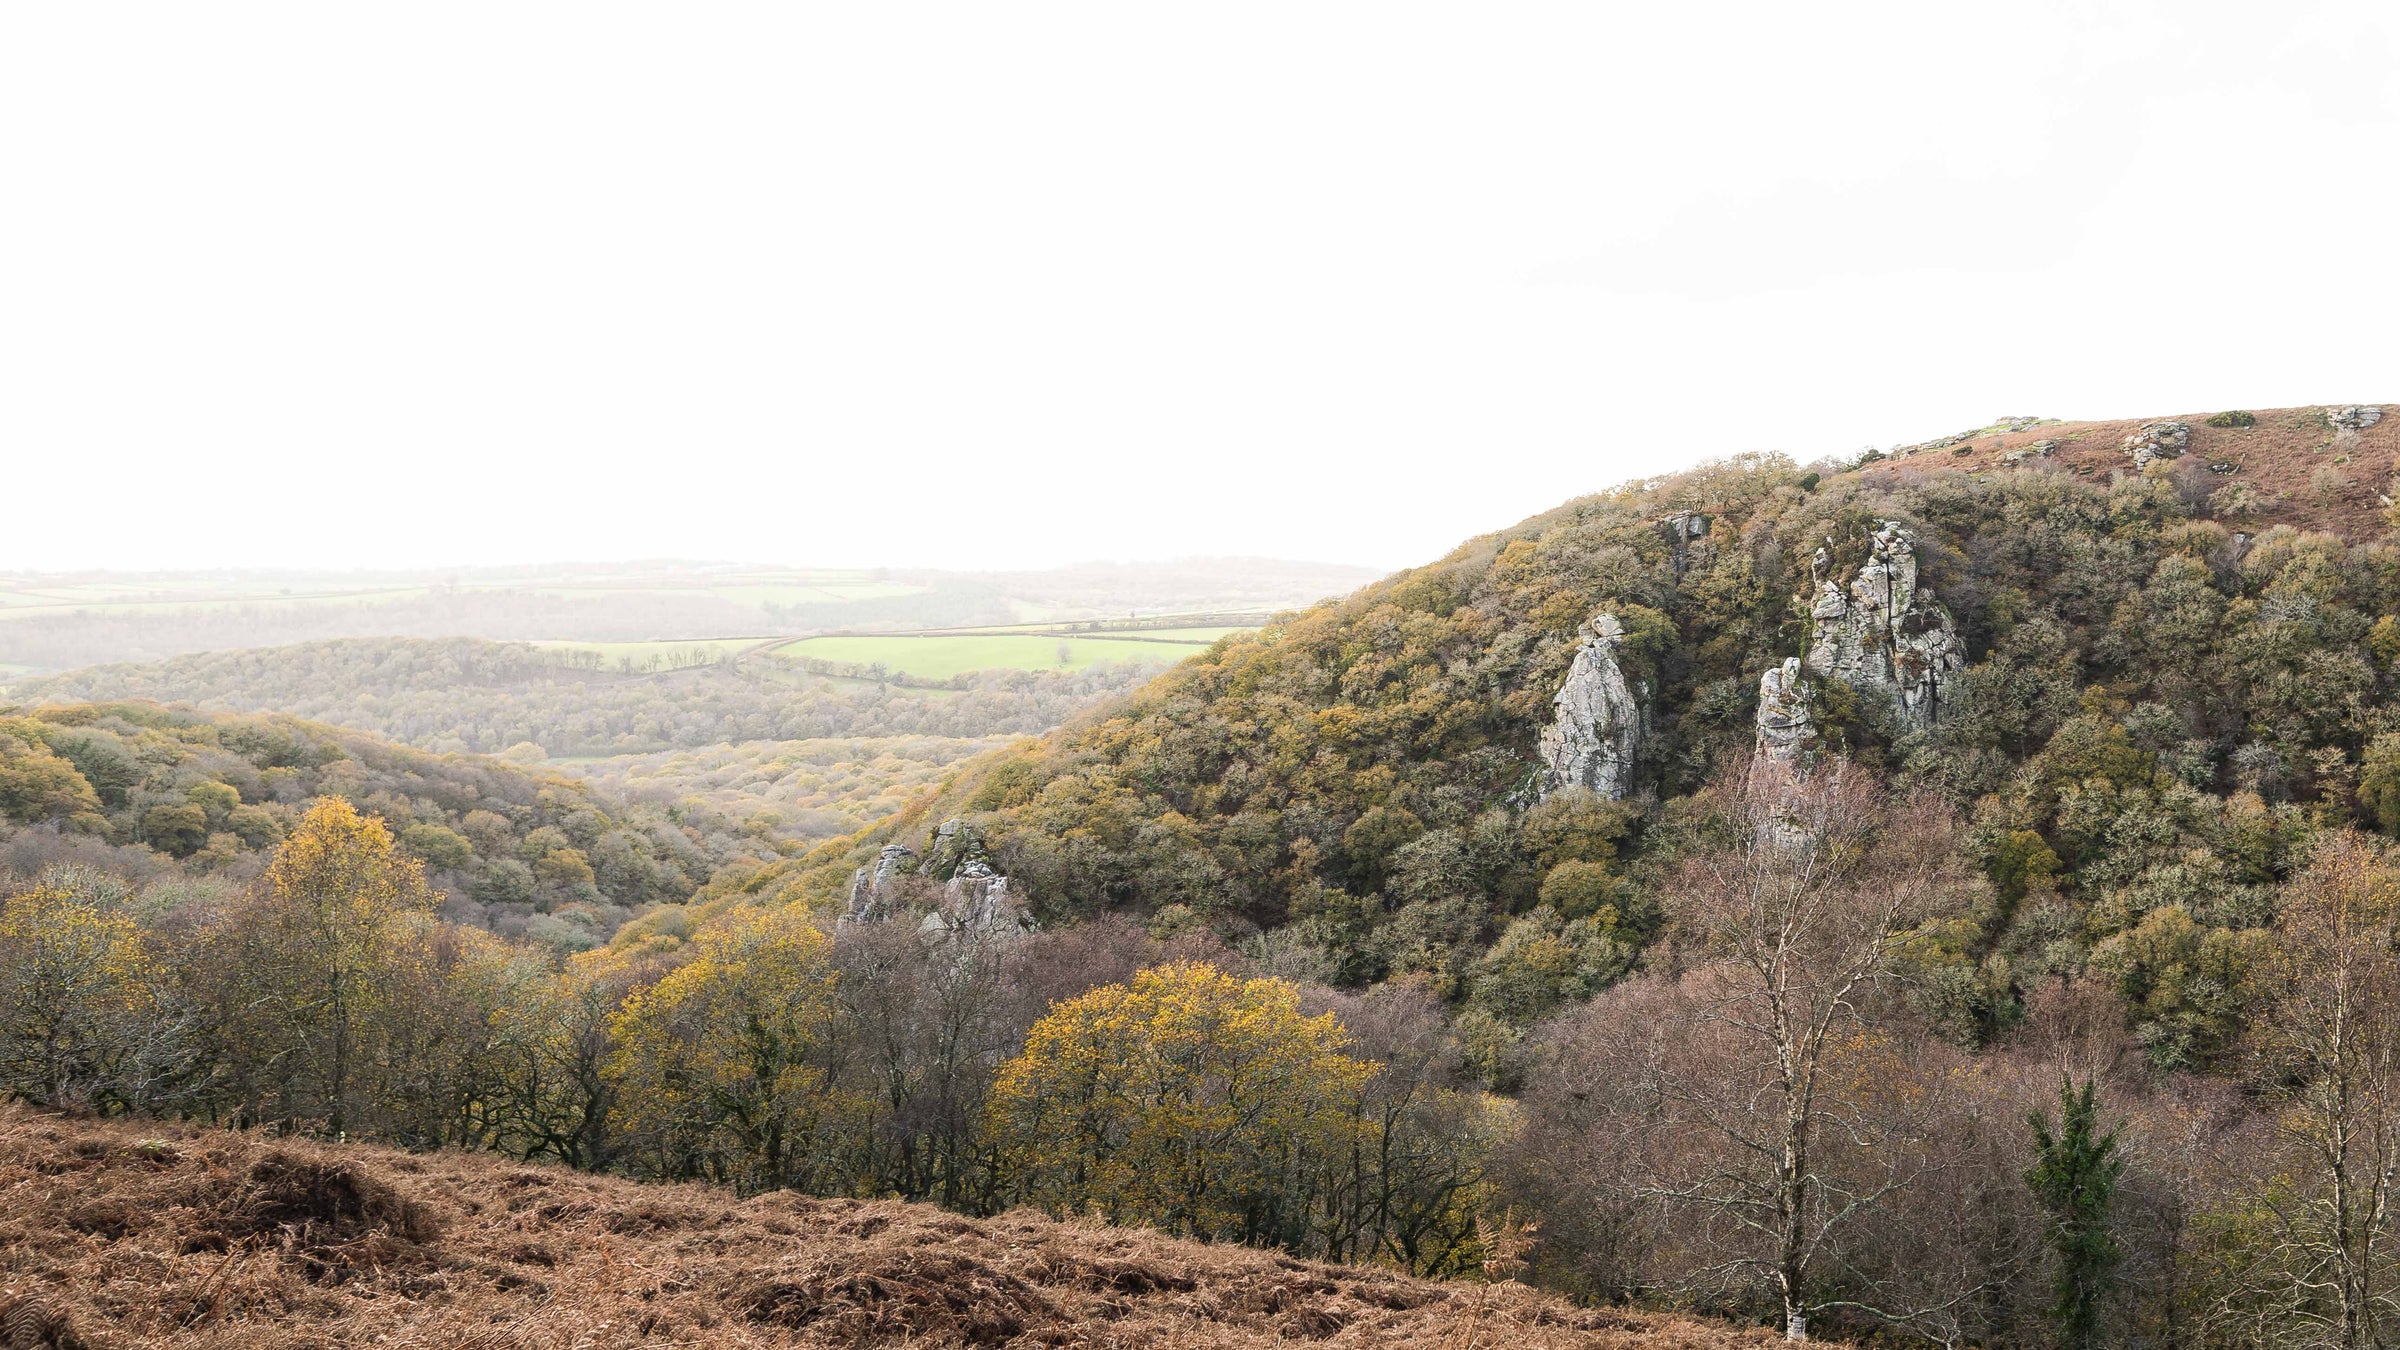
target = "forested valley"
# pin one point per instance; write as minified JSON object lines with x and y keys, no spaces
{"x":1942,"y":897}
{"x":470,"y":694}
{"x":56,"y":622}
{"x":768,"y":744}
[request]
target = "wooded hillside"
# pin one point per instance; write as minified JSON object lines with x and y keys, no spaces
{"x":1980,"y":924}
{"x":469,"y":694}
{"x":2177,"y":675}
{"x":186,"y":808}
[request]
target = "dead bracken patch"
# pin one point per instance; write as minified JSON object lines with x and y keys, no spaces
{"x":176,"y":1237}
{"x":29,"y":1321}
{"x":330,"y":1217}
{"x":908,"y":1294}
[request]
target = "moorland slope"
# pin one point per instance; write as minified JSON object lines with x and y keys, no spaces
{"x":114,"y":1236}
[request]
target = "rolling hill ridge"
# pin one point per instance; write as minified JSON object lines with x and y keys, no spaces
{"x":2202,"y":639}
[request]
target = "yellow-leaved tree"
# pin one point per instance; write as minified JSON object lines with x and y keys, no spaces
{"x":731,"y":1067}
{"x":77,"y":1002}
{"x":1187,"y":1100}
{"x":312,"y":976}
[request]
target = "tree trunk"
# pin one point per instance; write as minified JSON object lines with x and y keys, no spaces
{"x":1791,"y":1254}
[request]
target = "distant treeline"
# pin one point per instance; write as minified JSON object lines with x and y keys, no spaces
{"x":87,"y":637}
{"x":466,"y":694}
{"x":563,"y":603}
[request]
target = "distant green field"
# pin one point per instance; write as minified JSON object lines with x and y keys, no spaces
{"x":938,"y":657}
{"x":1093,"y":628}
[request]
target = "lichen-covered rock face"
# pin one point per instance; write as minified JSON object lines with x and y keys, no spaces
{"x":1787,"y":725}
{"x":868,"y":886}
{"x":1600,"y":719}
{"x":2355,"y":417}
{"x":957,"y":843}
{"x":2157,"y":440}
{"x":1884,"y":633}
{"x":977,"y":903}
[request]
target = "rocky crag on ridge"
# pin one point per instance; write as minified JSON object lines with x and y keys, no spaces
{"x":1881,"y":631}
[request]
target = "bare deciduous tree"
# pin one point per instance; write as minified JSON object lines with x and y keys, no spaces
{"x":1798,"y":910}
{"x":2328,"y":1043}
{"x":1755,"y":1104}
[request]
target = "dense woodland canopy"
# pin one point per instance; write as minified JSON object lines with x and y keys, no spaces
{"x":2072,"y":1019}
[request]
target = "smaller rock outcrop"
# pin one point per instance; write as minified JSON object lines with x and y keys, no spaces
{"x":1922,"y":447}
{"x":1786,"y":721}
{"x":1884,"y":633}
{"x":2157,"y":440}
{"x":976,"y":902}
{"x":2354,"y":417}
{"x":974,"y":899}
{"x":2041,"y":449}
{"x":1600,"y":718}
{"x":956,"y":843}
{"x":871,"y":886}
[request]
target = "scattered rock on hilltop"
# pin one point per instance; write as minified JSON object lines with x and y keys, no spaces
{"x":2157,"y":440}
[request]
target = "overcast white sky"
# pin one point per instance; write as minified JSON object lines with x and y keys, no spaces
{"x":1019,"y":284}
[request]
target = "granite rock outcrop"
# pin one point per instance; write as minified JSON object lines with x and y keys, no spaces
{"x":1786,"y":721}
{"x":1883,"y":632}
{"x":1686,"y":533}
{"x":1600,"y":718}
{"x":973,"y":900}
{"x":2157,"y":440}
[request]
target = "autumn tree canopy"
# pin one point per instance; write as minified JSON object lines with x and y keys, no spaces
{"x":1185,"y":1099}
